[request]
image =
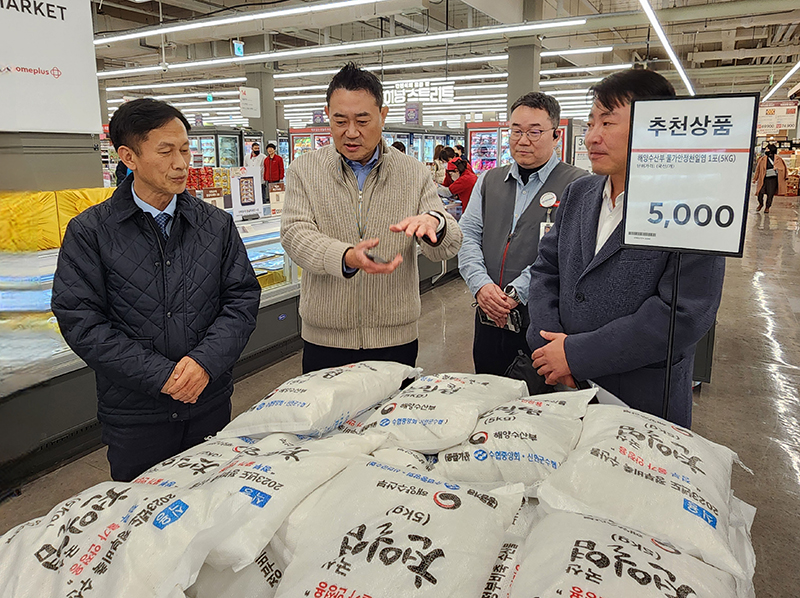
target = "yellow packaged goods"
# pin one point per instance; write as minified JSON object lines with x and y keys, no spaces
{"x":28,"y":221}
{"x":72,"y":202}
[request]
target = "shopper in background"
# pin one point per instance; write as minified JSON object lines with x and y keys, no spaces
{"x":399,"y":146}
{"x":273,"y":165}
{"x":354,"y":216}
{"x":255,"y":159}
{"x":770,"y":177}
{"x":460,"y":152}
{"x":463,"y":181}
{"x":447,"y":154}
{"x":502,"y":226}
{"x":438,"y":166}
{"x":154,"y":291}
{"x":601,"y":312}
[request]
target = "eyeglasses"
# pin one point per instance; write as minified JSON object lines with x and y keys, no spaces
{"x":532,"y":134}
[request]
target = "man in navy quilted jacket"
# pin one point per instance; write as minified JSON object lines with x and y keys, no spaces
{"x":154,"y":291}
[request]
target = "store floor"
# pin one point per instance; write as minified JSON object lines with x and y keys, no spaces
{"x":752,"y":405}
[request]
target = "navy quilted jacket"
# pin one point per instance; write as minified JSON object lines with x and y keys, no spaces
{"x":131,"y":305}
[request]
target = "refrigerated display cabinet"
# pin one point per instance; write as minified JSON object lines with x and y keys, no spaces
{"x":229,"y":151}
{"x":250,"y":139}
{"x":208,"y":149}
{"x":283,"y":147}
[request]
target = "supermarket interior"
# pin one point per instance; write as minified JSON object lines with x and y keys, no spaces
{"x":252,"y":81}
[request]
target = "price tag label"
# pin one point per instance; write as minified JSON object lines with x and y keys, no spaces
{"x":689,"y":168}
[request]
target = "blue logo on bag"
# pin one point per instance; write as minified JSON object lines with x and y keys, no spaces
{"x":384,"y":422}
{"x":480,"y":455}
{"x":696,"y":509}
{"x":259,"y":498}
{"x":171,"y":514}
{"x":452,"y":486}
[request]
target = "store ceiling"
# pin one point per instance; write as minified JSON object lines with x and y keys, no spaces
{"x":725,"y":46}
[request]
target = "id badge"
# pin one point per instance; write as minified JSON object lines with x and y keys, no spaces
{"x":544,"y":228}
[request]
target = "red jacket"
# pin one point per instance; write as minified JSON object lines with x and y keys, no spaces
{"x":462,"y":187}
{"x":273,"y":169}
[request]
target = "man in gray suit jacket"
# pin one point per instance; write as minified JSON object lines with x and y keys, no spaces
{"x":600,"y":312}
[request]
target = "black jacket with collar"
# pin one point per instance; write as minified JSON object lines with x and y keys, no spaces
{"x":131,"y":304}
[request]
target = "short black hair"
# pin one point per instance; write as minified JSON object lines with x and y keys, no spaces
{"x":353,"y":78}
{"x":133,"y":121}
{"x":539,"y":101}
{"x":271,"y":145}
{"x":460,"y":164}
{"x":460,"y":148}
{"x":448,"y":153}
{"x":256,"y":143}
{"x":399,"y":145}
{"x":623,"y":87}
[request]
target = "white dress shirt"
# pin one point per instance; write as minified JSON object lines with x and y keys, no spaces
{"x":610,"y":215}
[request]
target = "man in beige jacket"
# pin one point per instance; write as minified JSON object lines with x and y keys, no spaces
{"x":354,"y":215}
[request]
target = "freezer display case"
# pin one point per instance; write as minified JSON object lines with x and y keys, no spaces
{"x":283,"y":147}
{"x":505,"y":150}
{"x":230,"y":154}
{"x":414,"y":148}
{"x":308,"y":139}
{"x":208,"y":149}
{"x":250,"y":139}
{"x":483,"y":145}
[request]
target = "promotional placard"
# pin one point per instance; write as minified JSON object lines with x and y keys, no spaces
{"x":276,"y":193}
{"x":48,"y":71}
{"x":688,"y":179}
{"x":250,"y":102}
{"x":774,"y":117}
{"x":246,"y":193}
{"x":581,"y":154}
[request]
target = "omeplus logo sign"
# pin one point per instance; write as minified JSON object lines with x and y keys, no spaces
{"x":54,"y":72}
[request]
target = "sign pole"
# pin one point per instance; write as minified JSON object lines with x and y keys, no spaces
{"x":673,"y":312}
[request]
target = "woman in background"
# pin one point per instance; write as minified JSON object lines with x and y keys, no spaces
{"x":770,"y":177}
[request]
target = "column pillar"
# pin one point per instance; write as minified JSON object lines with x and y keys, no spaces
{"x":524,"y":56}
{"x":259,"y":75}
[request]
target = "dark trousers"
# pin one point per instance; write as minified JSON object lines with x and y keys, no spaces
{"x":317,"y":357}
{"x":769,"y":188}
{"x":493,"y":349}
{"x":135,"y":448}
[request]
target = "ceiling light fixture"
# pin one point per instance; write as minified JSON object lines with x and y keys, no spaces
{"x":582,"y":81}
{"x":601,"y":67}
{"x":780,"y":83}
{"x":577,"y":51}
{"x":648,"y":10}
{"x":241,"y":18}
{"x":350,"y":47}
{"x":178,"y":84}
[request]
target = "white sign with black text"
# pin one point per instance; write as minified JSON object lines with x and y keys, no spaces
{"x":689,"y":162}
{"x":48,"y":71}
{"x":250,"y":102}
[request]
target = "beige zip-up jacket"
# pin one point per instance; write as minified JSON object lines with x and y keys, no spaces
{"x":324,"y":214}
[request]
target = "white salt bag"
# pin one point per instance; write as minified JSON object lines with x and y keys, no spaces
{"x":569,"y":554}
{"x":114,"y":539}
{"x":382,"y":531}
{"x":676,"y":485}
{"x":272,"y":484}
{"x":260,"y":579}
{"x":440,"y":411}
{"x":318,"y":402}
{"x":403,"y":458}
{"x":523,"y":440}
{"x":204,"y":460}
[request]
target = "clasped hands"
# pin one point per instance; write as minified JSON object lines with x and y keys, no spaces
{"x":420,"y":226}
{"x":550,"y":361}
{"x":187,"y":381}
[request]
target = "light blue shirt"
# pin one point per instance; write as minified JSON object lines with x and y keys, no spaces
{"x":470,"y":257}
{"x":362,"y":170}
{"x":147,"y":208}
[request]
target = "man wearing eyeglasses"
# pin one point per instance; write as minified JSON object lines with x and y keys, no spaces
{"x":502,"y":226}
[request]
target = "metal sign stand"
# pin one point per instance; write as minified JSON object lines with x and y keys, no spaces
{"x":673,"y":313}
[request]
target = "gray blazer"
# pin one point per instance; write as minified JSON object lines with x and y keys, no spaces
{"x":615,"y":306}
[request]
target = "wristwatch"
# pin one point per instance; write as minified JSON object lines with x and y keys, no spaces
{"x":511,"y":292}
{"x":438,"y":217}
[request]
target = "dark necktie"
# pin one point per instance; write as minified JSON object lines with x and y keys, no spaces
{"x":162,"y":220}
